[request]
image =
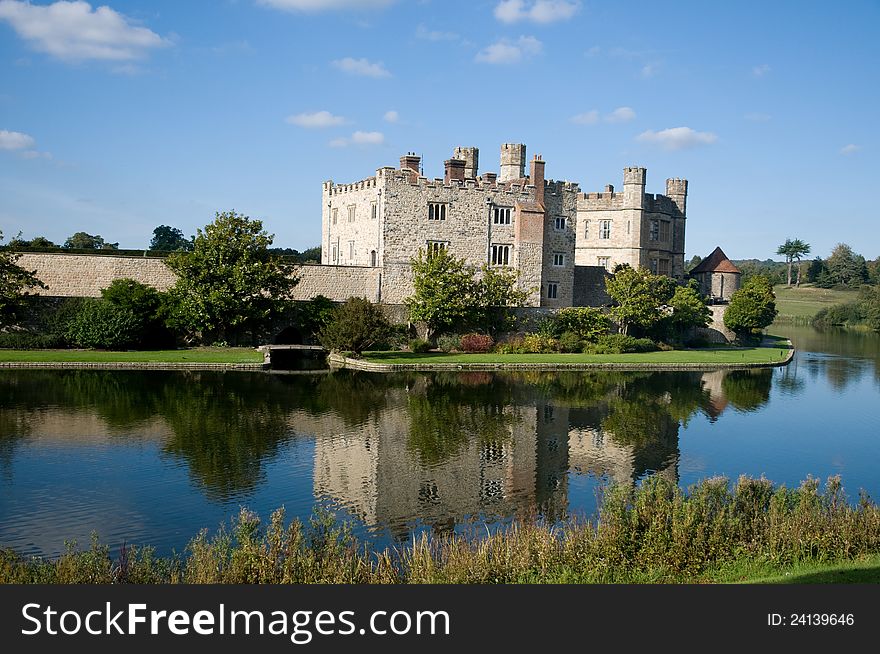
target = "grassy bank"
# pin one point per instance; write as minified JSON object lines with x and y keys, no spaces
{"x":193,"y":355}
{"x":721,"y":355}
{"x":800,"y":305}
{"x":656,"y":533}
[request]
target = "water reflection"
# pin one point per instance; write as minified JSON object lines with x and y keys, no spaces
{"x":166,"y":453}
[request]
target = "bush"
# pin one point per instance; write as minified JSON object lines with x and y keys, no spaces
{"x":621,"y":344}
{"x":30,"y":341}
{"x":476,"y":343}
{"x":419,"y":346}
{"x":100,"y":324}
{"x":539,"y":344}
{"x":570,"y":342}
{"x":356,"y":326}
{"x":587,"y":323}
{"x":395,"y":338}
{"x":147,"y":305}
{"x":449,"y":342}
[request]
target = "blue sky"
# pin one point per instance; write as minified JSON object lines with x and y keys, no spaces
{"x":117,"y":118}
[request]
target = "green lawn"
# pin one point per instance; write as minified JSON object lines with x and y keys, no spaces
{"x":195,"y":355}
{"x":725,"y":355}
{"x":864,"y":570}
{"x":805,"y":302}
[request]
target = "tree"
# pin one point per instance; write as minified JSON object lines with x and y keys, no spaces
{"x":695,"y":261}
{"x":170,"y":239}
{"x":147,"y":305}
{"x":229,"y":283}
{"x":444,"y":293}
{"x":13,"y":281}
{"x":497,"y":293}
{"x":356,"y":326}
{"x":84,"y":241}
{"x":752,"y":307}
{"x":845,"y":267}
{"x":688,"y":309}
{"x":793,"y":249}
{"x":639,"y":296}
{"x":41,"y":242}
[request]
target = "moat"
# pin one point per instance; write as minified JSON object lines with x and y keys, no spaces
{"x":154,"y":456}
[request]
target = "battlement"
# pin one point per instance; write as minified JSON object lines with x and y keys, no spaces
{"x":338,"y":189}
{"x":676,"y":186}
{"x":634,"y":175}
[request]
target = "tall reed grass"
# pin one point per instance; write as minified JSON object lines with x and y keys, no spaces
{"x":652,"y":533}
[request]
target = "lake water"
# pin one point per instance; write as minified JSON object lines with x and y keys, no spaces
{"x":153,"y":457}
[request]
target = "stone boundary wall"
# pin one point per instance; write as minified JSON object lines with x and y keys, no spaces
{"x":83,"y":275}
{"x":338,"y":283}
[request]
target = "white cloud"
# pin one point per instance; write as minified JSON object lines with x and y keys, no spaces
{"x":316,"y":120}
{"x":649,"y":70}
{"x":73,"y":31}
{"x":509,"y":52}
{"x":15,"y":140}
{"x":586,"y":118}
{"x":620,"y":115}
{"x":761,"y":70}
{"x":594,"y":51}
{"x":425,"y":34}
{"x":361,"y":67}
{"x":538,"y":11}
{"x":359,"y":138}
{"x":322,"y":5}
{"x":757,"y":117}
{"x":677,"y":138}
{"x":391,"y":116}
{"x":852,"y":148}
{"x":33,"y":154}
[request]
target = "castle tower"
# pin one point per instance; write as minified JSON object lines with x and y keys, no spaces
{"x":471,"y":157}
{"x":677,"y":190}
{"x":634,"y":187}
{"x":513,"y":161}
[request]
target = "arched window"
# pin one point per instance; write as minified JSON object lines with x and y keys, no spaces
{"x":373,"y":258}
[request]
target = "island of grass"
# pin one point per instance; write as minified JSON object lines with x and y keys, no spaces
{"x":188,"y":356}
{"x":773,"y":351}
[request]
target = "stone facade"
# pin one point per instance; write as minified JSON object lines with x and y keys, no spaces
{"x":83,"y":275}
{"x":541,"y":228}
{"x":633,"y":227}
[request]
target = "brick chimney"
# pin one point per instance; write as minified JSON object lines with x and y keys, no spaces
{"x":536,"y":173}
{"x":411,"y":162}
{"x":454,"y":170}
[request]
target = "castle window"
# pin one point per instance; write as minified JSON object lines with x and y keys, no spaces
{"x":654,"y":231}
{"x":558,"y":259}
{"x":552,"y":290}
{"x":351,"y":250}
{"x":373,"y":258}
{"x":501,"y":215}
{"x":334,"y":213}
{"x":351,"y":212}
{"x":663,"y":267}
{"x":335,"y":256}
{"x":560,"y":223}
{"x":604,"y":229}
{"x":655,"y":265}
{"x":605,"y":262}
{"x":500,"y":255}
{"x":664,"y":231}
{"x":434,"y":247}
{"x":374,"y":210}
{"x":436,"y":211}
{"x":587,"y":229}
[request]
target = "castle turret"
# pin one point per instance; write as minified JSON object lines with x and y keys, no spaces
{"x":471,"y":157}
{"x":634,"y":187}
{"x":513,"y":161}
{"x":677,"y":190}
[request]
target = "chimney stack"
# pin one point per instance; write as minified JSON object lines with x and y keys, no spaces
{"x":411,"y":162}
{"x":454,"y":170}
{"x":536,"y":172}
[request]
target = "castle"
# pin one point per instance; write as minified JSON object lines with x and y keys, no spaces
{"x":559,"y":240}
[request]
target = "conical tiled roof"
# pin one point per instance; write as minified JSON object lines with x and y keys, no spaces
{"x":716,"y":262}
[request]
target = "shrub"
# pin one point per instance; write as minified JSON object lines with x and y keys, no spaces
{"x":587,"y":323}
{"x":30,"y":341}
{"x":147,"y":305}
{"x":100,"y":324}
{"x":476,"y":343}
{"x":510,"y":346}
{"x":621,"y":344}
{"x":356,"y":326}
{"x":548,"y":327}
{"x":449,"y":342}
{"x":570,"y":342}
{"x":419,"y":346}
{"x":539,"y":344}
{"x":751,"y":308}
{"x":395,"y":338}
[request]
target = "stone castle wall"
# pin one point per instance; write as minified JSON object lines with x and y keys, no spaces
{"x":84,"y":275}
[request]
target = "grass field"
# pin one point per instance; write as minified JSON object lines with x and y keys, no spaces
{"x":862,"y":570}
{"x":802,"y":304}
{"x":195,"y":355}
{"x":723,"y":355}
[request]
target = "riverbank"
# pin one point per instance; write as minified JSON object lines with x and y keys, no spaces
{"x":202,"y":357}
{"x":799,"y":305}
{"x":774,"y":352}
{"x":750,"y":532}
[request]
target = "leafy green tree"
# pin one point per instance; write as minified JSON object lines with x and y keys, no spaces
{"x":497,"y":293}
{"x":41,"y":242}
{"x":84,"y":241}
{"x":445,"y":293}
{"x":13,"y":281}
{"x":170,"y":239}
{"x":752,"y":307}
{"x":639,"y":296}
{"x":356,"y":326}
{"x":688,"y":309}
{"x":793,"y":249}
{"x":101,"y":324}
{"x":229,"y":284}
{"x":147,"y":304}
{"x":589,"y":323}
{"x":695,"y":261}
{"x":845,"y":267}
